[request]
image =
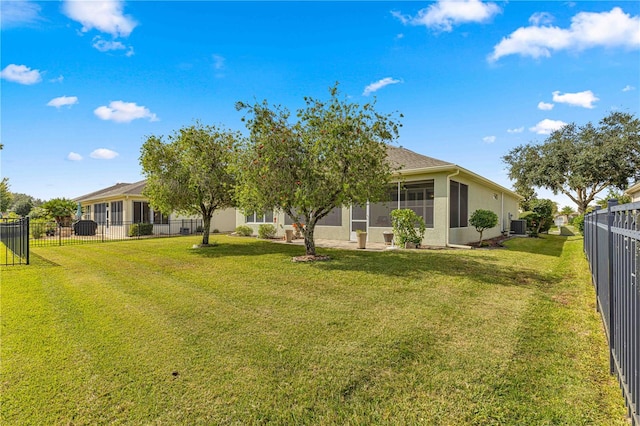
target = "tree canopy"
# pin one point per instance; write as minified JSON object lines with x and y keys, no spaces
{"x":192,"y":172}
{"x":581,"y":161}
{"x":5,"y":195}
{"x":333,"y":155}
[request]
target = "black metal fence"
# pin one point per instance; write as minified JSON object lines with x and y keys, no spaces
{"x":87,"y":231}
{"x":14,"y":235}
{"x":612,"y":246}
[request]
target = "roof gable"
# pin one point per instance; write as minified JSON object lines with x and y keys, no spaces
{"x":116,"y":190}
{"x":405,"y":159}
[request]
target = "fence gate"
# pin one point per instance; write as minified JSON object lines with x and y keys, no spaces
{"x":14,"y":238}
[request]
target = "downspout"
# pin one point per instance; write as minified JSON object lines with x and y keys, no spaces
{"x":502,"y":213}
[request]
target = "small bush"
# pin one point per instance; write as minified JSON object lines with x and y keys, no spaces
{"x":215,"y":231}
{"x":578,"y":222}
{"x":407,"y":226}
{"x":41,"y":226}
{"x":266,"y":231}
{"x":141,"y":229}
{"x":244,"y":230}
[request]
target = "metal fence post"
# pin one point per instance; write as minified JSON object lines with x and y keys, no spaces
{"x":612,"y":327}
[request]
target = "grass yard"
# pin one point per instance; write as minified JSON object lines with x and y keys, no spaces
{"x":154,"y":332}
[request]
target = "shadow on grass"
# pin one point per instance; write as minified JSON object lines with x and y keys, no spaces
{"x":545,"y":244}
{"x":486,"y":269}
{"x":418,"y":265}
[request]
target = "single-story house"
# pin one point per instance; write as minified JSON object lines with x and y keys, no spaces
{"x":123,"y":204}
{"x":442,"y":193}
{"x":634,"y":192}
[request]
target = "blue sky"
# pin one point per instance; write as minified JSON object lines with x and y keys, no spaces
{"x":84,"y":82}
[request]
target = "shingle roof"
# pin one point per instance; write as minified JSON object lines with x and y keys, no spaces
{"x":115,"y":190}
{"x":408,"y":160}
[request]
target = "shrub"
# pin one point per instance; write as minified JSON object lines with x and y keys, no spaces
{"x":41,"y":226}
{"x":483,"y":219}
{"x":141,"y":229}
{"x":266,"y":231}
{"x":578,"y":222}
{"x":408,"y":227}
{"x":244,"y":230}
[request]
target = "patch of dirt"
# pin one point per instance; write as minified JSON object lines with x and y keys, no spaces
{"x":311,"y":258}
{"x":491,"y":243}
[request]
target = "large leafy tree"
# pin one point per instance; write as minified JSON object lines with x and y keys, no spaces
{"x":192,"y":172}
{"x":581,"y":161}
{"x":333,"y":155}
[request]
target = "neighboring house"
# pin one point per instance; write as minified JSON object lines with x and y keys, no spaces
{"x":443,"y":194}
{"x":634,"y":192}
{"x":123,"y":204}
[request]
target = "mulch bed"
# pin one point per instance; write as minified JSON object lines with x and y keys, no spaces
{"x":491,"y":243}
{"x":311,"y":258}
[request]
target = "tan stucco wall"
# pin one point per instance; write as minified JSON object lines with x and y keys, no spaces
{"x":482,"y":195}
{"x":222,"y":220}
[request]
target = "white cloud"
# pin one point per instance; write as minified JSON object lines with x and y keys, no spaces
{"x":103,"y":154}
{"x":545,"y":106}
{"x":541,"y":18}
{"x":583,"y":99}
{"x":546,"y":126}
{"x":63,"y":101}
{"x":374,"y":87}
{"x":444,"y":14}
{"x":587,"y":30}
{"x":74,"y":156}
{"x":105,"y":16}
{"x":107,"y":46}
{"x":124,"y":112}
{"x":628,"y":88}
{"x":516,"y":130}
{"x":21,"y":74}
{"x":58,"y":79}
{"x":489,"y":139}
{"x":16,"y":13}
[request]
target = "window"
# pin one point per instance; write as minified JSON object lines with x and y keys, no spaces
{"x":259,"y":218}
{"x":417,"y":196}
{"x":458,"y":205}
{"x":101,"y":215}
{"x":140,"y":212}
{"x":87,"y":212}
{"x":333,"y":218}
{"x":160,"y":218}
{"x":116,"y":213}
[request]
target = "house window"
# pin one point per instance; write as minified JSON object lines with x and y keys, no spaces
{"x":417,"y":196}
{"x":116,"y":213}
{"x":259,"y":218}
{"x":140,"y":212}
{"x":333,"y":218}
{"x":160,"y":218}
{"x":101,"y":213}
{"x":87,"y":212}
{"x":458,"y":205}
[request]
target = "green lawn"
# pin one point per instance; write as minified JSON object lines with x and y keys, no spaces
{"x":155,"y":332}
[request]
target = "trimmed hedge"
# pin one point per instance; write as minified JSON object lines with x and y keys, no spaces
{"x":138,"y":229}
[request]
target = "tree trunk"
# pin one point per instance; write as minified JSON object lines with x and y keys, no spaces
{"x":309,"y":242}
{"x":206,"y":226}
{"x":480,"y":242}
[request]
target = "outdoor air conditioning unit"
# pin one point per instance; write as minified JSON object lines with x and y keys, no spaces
{"x":519,"y":227}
